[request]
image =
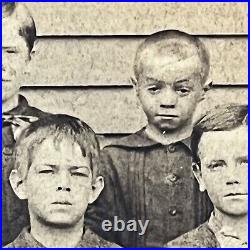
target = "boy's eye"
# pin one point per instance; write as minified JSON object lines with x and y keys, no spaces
{"x":46,"y":171}
{"x":214,"y":165}
{"x":10,"y":50}
{"x":244,"y":163}
{"x":154,"y":89}
{"x":183,"y":91}
{"x":79,"y":174}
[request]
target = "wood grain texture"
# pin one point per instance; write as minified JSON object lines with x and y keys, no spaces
{"x":109,"y":61}
{"x":69,"y":18}
{"x":113,"y":110}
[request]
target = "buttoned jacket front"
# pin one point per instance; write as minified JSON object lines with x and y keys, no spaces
{"x":145,"y":180}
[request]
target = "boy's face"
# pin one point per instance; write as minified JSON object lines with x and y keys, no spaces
{"x":224,"y":169}
{"x":59,"y":183}
{"x":169,"y":89}
{"x":15,"y":56}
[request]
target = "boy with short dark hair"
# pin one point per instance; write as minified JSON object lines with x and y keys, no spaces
{"x":56,"y":170}
{"x":148,"y":174}
{"x":220,"y":165}
{"x":18,"y":39}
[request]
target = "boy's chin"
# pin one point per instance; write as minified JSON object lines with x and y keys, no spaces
{"x":60,"y":221}
{"x":163,"y":127}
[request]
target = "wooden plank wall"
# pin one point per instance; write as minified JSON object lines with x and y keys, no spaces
{"x":82,"y":62}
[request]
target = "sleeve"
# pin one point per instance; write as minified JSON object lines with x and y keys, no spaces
{"x":110,"y":202}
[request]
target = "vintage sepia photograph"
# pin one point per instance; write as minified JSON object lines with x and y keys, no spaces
{"x":124,"y":124}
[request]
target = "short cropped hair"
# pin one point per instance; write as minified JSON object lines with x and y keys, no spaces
{"x":161,"y":40}
{"x":221,"y":118}
{"x":57,"y":127}
{"x":26,"y":26}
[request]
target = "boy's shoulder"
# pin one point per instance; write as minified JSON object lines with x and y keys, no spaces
{"x":89,"y":240}
{"x":92,"y":240}
{"x":201,"y":236}
{"x":138,"y":139}
{"x":137,"y":142}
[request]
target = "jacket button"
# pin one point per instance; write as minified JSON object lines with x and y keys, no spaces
{"x":172,"y":211}
{"x":171,"y":178}
{"x":8,"y":150}
{"x":171,"y":148}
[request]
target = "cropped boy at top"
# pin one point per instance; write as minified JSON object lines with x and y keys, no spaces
{"x":18,"y":38}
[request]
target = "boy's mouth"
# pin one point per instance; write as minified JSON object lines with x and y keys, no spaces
{"x":235,"y":194}
{"x":62,"y":203}
{"x":169,"y":116}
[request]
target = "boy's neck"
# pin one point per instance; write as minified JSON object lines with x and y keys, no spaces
{"x":56,"y":237}
{"x":10,"y":104}
{"x":168,"y":137}
{"x":238,"y":224}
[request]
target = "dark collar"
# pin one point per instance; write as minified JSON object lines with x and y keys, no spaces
{"x":141,"y":139}
{"x":20,"y":108}
{"x":89,"y":240}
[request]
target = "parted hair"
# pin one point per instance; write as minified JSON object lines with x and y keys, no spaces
{"x":26,"y":26}
{"x":57,"y":127}
{"x":175,"y":41}
{"x":224,"y":117}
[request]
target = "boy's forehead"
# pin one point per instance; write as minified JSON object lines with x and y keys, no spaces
{"x":170,"y":56}
{"x":56,"y":150}
{"x":171,"y":49}
{"x":165,"y":66}
{"x":224,"y":142}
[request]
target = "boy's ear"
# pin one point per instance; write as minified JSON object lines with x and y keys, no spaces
{"x":134,"y":81}
{"x":97,"y":188}
{"x":207,"y":86}
{"x":18,"y":185}
{"x":135,"y":84}
{"x":198,"y":176}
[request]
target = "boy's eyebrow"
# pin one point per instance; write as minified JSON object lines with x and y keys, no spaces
{"x":49,"y":165}
{"x":181,"y":81}
{"x":160,"y":81}
{"x":9,"y":47}
{"x":154,"y":80}
{"x":242,"y":158}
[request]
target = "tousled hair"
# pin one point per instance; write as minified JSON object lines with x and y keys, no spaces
{"x":160,"y":40}
{"x":26,"y":26}
{"x":57,"y":127}
{"x":221,"y":118}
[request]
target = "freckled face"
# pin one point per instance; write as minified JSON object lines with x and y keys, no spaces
{"x":59,"y":183}
{"x":169,"y":90}
{"x":224,"y":169}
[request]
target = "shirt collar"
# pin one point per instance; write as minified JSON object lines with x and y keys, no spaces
{"x":26,"y":240}
{"x":141,"y":139}
{"x":20,"y":108}
{"x":223,"y":234}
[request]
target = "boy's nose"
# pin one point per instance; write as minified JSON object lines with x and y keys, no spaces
{"x":63,"y":189}
{"x":63,"y":181}
{"x":232,"y":176}
{"x":168,"y":99}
